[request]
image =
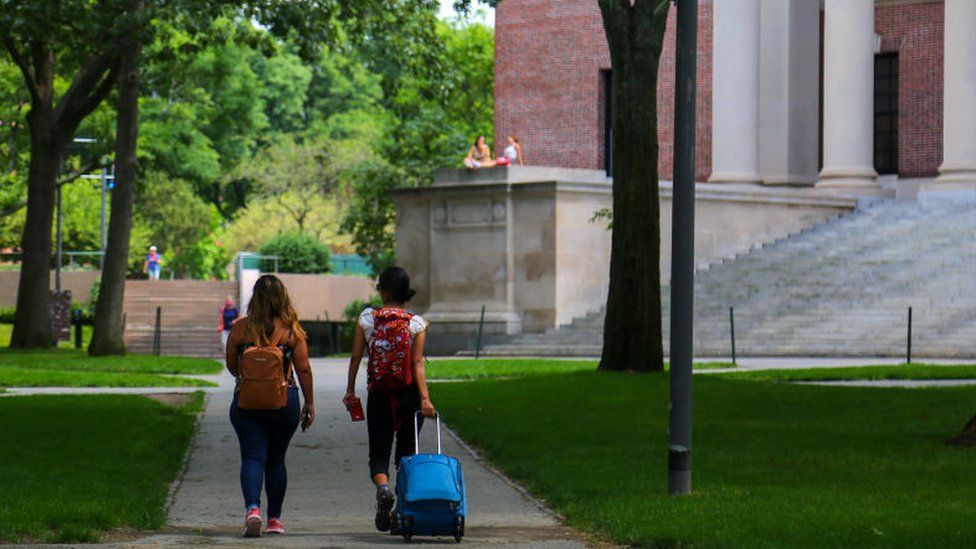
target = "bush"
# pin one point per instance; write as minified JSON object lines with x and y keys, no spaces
{"x":298,"y":253}
{"x":7,"y":315}
{"x":351,"y":314}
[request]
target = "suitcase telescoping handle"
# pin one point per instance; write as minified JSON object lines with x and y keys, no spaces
{"x":416,"y":432}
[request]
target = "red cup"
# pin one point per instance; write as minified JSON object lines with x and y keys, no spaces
{"x":356,"y":410}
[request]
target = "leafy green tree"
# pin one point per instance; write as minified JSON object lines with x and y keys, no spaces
{"x":440,"y":115}
{"x":43,"y":39}
{"x":370,"y":215}
{"x":14,"y":147}
{"x":298,"y":253}
{"x":435,"y":116}
{"x":265,"y":216}
{"x":294,"y":174}
{"x":107,"y":334}
{"x":178,"y":221}
{"x":284,"y":86}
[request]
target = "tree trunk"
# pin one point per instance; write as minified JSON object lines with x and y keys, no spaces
{"x":632,"y":337}
{"x":109,"y":332}
{"x":32,"y":320}
{"x":51,"y":129}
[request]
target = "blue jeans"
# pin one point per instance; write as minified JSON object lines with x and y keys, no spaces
{"x":264,"y":436}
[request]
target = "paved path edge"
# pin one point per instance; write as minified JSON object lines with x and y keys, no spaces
{"x":174,"y":486}
{"x":524,"y":492}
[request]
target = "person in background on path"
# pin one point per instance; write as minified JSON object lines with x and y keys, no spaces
{"x":513,"y":151}
{"x":152,"y":263}
{"x":228,"y":315}
{"x":479,"y":155}
{"x":393,"y":339}
{"x":264,"y":434}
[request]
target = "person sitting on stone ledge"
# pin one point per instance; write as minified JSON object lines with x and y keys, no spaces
{"x":479,"y":156}
{"x":513,"y":151}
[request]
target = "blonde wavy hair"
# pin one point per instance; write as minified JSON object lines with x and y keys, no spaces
{"x":270,"y":301}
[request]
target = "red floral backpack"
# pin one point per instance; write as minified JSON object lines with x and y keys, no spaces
{"x":390,"y":365}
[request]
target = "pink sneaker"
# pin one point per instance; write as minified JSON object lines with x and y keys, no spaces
{"x":275,"y":526}
{"x":252,"y":524}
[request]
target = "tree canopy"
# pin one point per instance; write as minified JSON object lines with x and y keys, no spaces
{"x":241,"y":122}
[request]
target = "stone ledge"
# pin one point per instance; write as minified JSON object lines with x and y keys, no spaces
{"x":516,"y":174}
{"x":543,"y":178}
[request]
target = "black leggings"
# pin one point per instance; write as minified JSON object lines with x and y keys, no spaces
{"x":381,"y":428}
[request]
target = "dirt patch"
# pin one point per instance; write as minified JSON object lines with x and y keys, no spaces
{"x":966,"y":437}
{"x":172,"y":399}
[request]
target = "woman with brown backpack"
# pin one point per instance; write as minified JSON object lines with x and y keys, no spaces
{"x":265,"y":350}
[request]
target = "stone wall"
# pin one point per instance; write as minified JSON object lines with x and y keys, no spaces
{"x":316,"y":297}
{"x":522,"y":242}
{"x":323,"y":297}
{"x":79,"y":282}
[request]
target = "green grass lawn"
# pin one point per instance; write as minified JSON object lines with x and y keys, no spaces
{"x":77,"y":466}
{"x":86,"y":332}
{"x":902,"y":371}
{"x":775,"y":464}
{"x":513,"y":367}
{"x":58,"y":359}
{"x":74,"y":368}
{"x":29,"y":377}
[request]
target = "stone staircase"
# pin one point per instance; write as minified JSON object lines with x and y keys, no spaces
{"x":842,"y":288}
{"x":189,"y":317}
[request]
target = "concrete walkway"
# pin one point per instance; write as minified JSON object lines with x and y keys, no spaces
{"x":798,"y":363}
{"x":330,"y":501}
{"x":27,"y":391}
{"x":887,"y":383}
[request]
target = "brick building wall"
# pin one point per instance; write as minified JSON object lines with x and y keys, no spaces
{"x":550,"y":54}
{"x":549,"y":63}
{"x":916,"y":33}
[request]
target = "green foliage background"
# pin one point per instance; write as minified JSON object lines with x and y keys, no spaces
{"x":244,"y":136}
{"x":298,"y":253}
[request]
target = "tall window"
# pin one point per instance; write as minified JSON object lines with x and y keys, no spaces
{"x":886,"y":113}
{"x":606,"y":76}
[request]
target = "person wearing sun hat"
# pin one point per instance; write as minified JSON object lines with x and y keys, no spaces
{"x":153,"y":263}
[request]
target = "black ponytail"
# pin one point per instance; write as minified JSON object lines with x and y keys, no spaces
{"x":396,"y":282}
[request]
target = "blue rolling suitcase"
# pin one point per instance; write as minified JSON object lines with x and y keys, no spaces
{"x":431,"y":499}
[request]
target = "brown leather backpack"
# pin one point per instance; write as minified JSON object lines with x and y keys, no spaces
{"x":261,"y":380}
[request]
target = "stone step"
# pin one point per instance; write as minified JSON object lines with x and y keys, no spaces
{"x":189,"y":315}
{"x":842,"y":288}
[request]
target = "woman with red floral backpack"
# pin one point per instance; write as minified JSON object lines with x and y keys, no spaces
{"x":393,"y":339}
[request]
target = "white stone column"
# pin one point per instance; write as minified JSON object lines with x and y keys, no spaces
{"x":735,"y":92}
{"x":789,"y":86}
{"x":848,"y":140}
{"x":959,"y":108}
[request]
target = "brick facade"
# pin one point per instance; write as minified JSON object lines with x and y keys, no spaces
{"x":916,"y":33}
{"x":550,"y":56}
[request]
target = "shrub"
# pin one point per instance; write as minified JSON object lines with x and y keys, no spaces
{"x":298,"y":253}
{"x":7,"y":315}
{"x":351,"y":313}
